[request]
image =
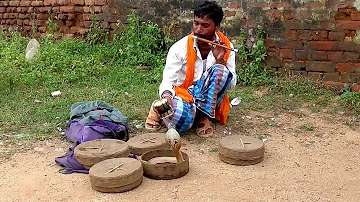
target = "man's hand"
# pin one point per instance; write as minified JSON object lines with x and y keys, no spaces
{"x":218,"y":52}
{"x":168,"y":96}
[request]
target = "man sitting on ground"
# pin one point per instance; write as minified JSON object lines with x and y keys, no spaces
{"x":197,"y":76}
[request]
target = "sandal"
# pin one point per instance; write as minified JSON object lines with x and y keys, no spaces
{"x":153,"y":120}
{"x":204,"y":128}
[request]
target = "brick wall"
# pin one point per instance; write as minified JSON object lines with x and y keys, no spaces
{"x":316,"y":38}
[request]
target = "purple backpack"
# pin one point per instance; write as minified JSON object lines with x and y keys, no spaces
{"x":79,"y":133}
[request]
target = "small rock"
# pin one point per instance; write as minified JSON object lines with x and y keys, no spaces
{"x":59,"y":150}
{"x":38,"y":149}
{"x":273,"y":119}
{"x":1,"y":143}
{"x":37,"y":101}
{"x":248,"y":117}
{"x":19,"y":144}
{"x":324,"y":135}
{"x":201,"y":152}
{"x":291,"y":95}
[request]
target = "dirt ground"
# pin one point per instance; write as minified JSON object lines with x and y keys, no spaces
{"x":308,"y":157}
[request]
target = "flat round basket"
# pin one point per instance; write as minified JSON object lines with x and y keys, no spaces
{"x":116,"y":175}
{"x":147,"y":142}
{"x":241,"y":150}
{"x":92,"y":152}
{"x":162,"y":165}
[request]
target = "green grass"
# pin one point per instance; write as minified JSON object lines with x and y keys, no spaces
{"x":87,"y":71}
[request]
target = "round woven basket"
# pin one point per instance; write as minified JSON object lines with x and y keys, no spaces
{"x":116,"y":175}
{"x":164,"y":171}
{"x":92,"y":152}
{"x":241,"y":150}
{"x":147,"y":142}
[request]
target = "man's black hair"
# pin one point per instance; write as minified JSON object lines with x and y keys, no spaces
{"x":210,"y":9}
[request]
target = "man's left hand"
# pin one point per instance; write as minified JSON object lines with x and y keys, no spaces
{"x":218,"y":52}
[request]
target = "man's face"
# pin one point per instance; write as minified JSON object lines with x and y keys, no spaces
{"x":204,"y":27}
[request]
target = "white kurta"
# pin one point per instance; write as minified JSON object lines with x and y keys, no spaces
{"x":175,"y":68}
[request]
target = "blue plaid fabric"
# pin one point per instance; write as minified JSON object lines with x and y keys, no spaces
{"x":208,"y":93}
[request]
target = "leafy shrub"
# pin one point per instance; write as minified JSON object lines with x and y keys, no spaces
{"x":251,"y":69}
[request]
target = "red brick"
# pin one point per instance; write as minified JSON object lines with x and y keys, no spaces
{"x":312,"y":5}
{"x":336,"y":36}
{"x":255,"y":5}
{"x":304,"y":35}
{"x":70,"y":36}
{"x":294,"y":65}
{"x":319,"y":35}
{"x":113,"y":26}
{"x":70,"y":16}
{"x":63,"y":2}
{"x":292,"y":24}
{"x":114,"y":11}
{"x":305,"y":15}
{"x":335,"y":56}
{"x":355,"y":88}
{"x":78,"y":2}
{"x":69,"y":23}
{"x":273,"y":52}
{"x":14,"y":3}
{"x":106,"y":9}
{"x":67,"y":9}
{"x":105,"y":25}
{"x":62,"y":16}
{"x":42,"y":29}
{"x":5,"y":15}
{"x":37,"y":3}
{"x":334,"y":85}
{"x":50,"y":2}
{"x":347,"y":25}
{"x":270,"y":43}
{"x":56,"y":9}
{"x":323,"y":45}
{"x":87,"y":24}
{"x":320,"y":66}
{"x":2,"y":9}
{"x":302,"y":54}
{"x":326,"y":25}
{"x":290,"y":35}
{"x":24,"y":9}
{"x":25,"y":3}
{"x":315,"y":75}
{"x":355,"y":16}
{"x":89,"y":2}
{"x":86,"y":9}
{"x":288,"y":14}
{"x":86,"y":17}
{"x":272,"y":14}
{"x":4,"y":3}
{"x":19,"y":22}
{"x":30,"y":10}
{"x":351,"y":57}
{"x":27,"y":28}
{"x":26,"y":22}
{"x":273,"y":62}
{"x":100,"y":2}
{"x":97,"y":9}
{"x":234,"y":5}
{"x":286,"y":53}
{"x":82,"y":31}
{"x":44,"y":9}
{"x":74,"y":30}
{"x":294,"y":45}
{"x":42,"y":16}
{"x":229,"y":14}
{"x":23,"y":16}
{"x":78,"y":9}
{"x":298,"y":73}
{"x":334,"y":76}
{"x":348,"y":67}
{"x":348,"y":46}
{"x":349,"y":77}
{"x":318,"y":55}
{"x":280,"y":5}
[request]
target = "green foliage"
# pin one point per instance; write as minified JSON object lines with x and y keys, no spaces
{"x":96,"y":34}
{"x":351,"y":100}
{"x":141,"y":44}
{"x":251,"y":70}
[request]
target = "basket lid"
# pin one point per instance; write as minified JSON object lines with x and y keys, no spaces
{"x":116,"y":167}
{"x":146,"y":142}
{"x":241,"y":143}
{"x":101,"y":148}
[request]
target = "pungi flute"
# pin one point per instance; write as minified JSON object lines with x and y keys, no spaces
{"x":215,"y":44}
